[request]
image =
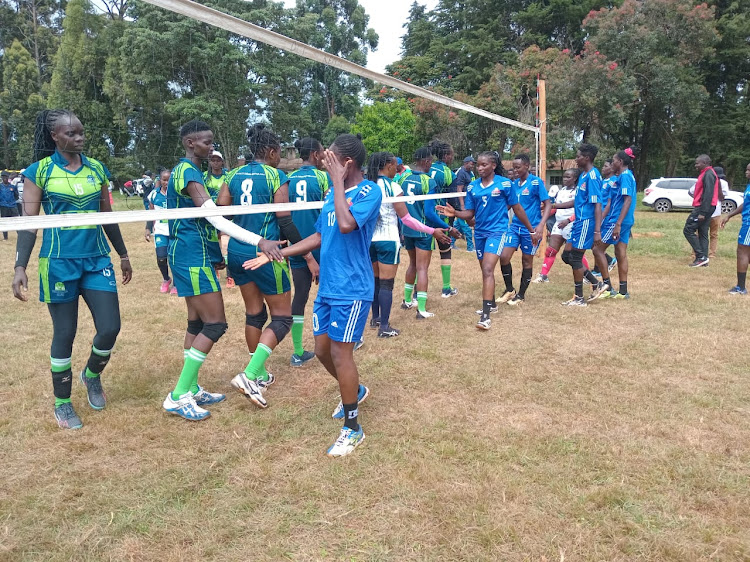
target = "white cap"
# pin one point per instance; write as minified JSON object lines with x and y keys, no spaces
{"x":217,"y":153}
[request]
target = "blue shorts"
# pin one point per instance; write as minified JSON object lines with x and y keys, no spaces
{"x":298,"y":262}
{"x":161,"y":241}
{"x":427,"y":243}
{"x":582,"y":235}
{"x":492,"y":244}
{"x":191,"y":281}
{"x":386,"y":252}
{"x":516,"y":237}
{"x":271,"y":279}
{"x":61,"y":279}
{"x":744,"y":238}
{"x":607,"y":236}
{"x":342,"y":321}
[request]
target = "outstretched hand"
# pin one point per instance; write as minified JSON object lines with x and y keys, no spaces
{"x":446,"y":210}
{"x":271,"y":248}
{"x":441,"y":237}
{"x":256,"y":263}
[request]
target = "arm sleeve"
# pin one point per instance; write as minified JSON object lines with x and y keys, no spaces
{"x":414,"y":224}
{"x":115,"y":236}
{"x":289,"y":230}
{"x":24,"y":247}
{"x":431,"y":216}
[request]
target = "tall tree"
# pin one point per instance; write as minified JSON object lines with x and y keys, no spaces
{"x":386,"y":126}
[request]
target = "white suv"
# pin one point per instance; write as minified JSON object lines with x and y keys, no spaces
{"x":665,"y":194}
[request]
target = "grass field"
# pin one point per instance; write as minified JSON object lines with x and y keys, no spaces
{"x":616,"y":432}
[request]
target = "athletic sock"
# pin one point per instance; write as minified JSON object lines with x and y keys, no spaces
{"x":256,"y":367}
{"x":188,"y":380}
{"x":507,"y":271}
{"x":98,"y":359}
{"x":741,"y":279}
{"x":579,"y":289}
{"x":585,"y":262}
{"x":298,"y":327}
{"x":422,"y":302}
{"x":385,"y":298}
{"x":351,"y":411}
{"x":623,"y":287}
{"x":446,"y":271}
{"x":487,"y":307}
{"x":549,"y":260}
{"x":375,"y":302}
{"x":525,"y":280}
{"x":591,"y":277}
{"x":605,"y":280}
{"x":408,"y":292}
{"x":62,"y":379}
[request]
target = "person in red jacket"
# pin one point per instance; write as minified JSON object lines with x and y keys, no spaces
{"x":705,"y":199}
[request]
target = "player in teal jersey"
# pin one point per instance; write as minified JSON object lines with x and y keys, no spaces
{"x":309,"y":183}
{"x":157,"y":199}
{"x":419,"y":245}
{"x":261,"y":183}
{"x":213,"y":178}
{"x":441,"y":172}
{"x":73,"y":261}
{"x":194,"y":273}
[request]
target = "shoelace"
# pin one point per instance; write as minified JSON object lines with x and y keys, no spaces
{"x":94,"y":384}
{"x":67,"y":410}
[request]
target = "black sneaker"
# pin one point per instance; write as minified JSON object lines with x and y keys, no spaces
{"x":97,"y":399}
{"x":389,"y":332}
{"x":374,"y":322}
{"x":699,"y":262}
{"x":66,"y":417}
{"x":299,"y":360}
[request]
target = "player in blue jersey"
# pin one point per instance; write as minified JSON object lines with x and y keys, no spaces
{"x":442,"y":174}
{"x":587,"y":224}
{"x":619,"y":216}
{"x":343,"y":233}
{"x":608,"y":181}
{"x":157,"y":199}
{"x":73,"y":262}
{"x":488,"y":199}
{"x":532,"y":195}
{"x":743,"y":240}
{"x":419,"y":245}
{"x":213,"y":178}
{"x":309,"y":183}
{"x":261,"y":183}
{"x":190,"y":258}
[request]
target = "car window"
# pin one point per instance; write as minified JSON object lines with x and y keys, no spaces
{"x":676,"y":184}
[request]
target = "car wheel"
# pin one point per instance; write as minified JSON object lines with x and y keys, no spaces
{"x":727,"y":206}
{"x":663,"y":205}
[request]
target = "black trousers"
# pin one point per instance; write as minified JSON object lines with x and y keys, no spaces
{"x":696,"y":232}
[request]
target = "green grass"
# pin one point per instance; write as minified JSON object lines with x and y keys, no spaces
{"x":616,"y":432}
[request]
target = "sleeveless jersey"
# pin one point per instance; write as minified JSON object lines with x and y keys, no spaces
{"x":387,"y":225}
{"x":159,"y":201}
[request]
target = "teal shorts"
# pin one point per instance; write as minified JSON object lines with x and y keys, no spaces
{"x":385,"y":252}
{"x":271,"y":279}
{"x":61,"y":279}
{"x":191,"y":281}
{"x":427,"y":243}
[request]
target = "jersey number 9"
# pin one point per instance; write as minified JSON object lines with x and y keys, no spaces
{"x":301,"y":191}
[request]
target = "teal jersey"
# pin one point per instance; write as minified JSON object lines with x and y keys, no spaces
{"x":443,"y":176}
{"x":416,"y":183}
{"x":213,"y":183}
{"x":159,"y":201}
{"x":305,"y":185}
{"x":192,"y":242}
{"x":255,"y":184}
{"x":66,"y":192}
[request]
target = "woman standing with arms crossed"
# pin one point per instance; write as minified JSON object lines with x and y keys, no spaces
{"x":73,"y":262}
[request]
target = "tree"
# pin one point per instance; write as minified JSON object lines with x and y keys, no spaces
{"x":386,"y":126}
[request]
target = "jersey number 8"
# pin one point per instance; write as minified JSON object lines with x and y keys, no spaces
{"x":247,"y":192}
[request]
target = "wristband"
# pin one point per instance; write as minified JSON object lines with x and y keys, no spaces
{"x":24,"y":247}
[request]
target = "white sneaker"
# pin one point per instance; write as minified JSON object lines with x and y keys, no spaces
{"x":185,"y":407}
{"x":250,"y":389}
{"x":422,"y":315}
{"x":347,"y":441}
{"x":484,"y":324}
{"x":493,"y":310}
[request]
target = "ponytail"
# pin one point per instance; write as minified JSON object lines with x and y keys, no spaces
{"x":306,"y":146}
{"x":378,"y":161}
{"x":495,"y":157}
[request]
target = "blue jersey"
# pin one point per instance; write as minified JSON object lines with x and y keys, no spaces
{"x":345,"y":267}
{"x":531,"y":194}
{"x":65,"y":192}
{"x":607,"y":185}
{"x":588,"y":194}
{"x":192,"y":242}
{"x":746,"y":207}
{"x":624,"y":185}
{"x":418,"y":183}
{"x":255,"y":184}
{"x":305,"y":185}
{"x":490,"y":205}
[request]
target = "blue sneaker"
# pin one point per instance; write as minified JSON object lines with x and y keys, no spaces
{"x":299,"y":360}
{"x":737,"y":291}
{"x":362,"y":394}
{"x":66,"y":417}
{"x":205,"y":398}
{"x":94,"y":391}
{"x":448,"y":293}
{"x":185,"y":407}
{"x":348,"y":440}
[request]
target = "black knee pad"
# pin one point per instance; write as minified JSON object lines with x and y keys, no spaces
{"x":386,"y":284}
{"x":214,"y":330}
{"x":576,"y":259}
{"x":194,"y":327}
{"x":280,"y":326}
{"x":257,"y":320}
{"x":445,"y":254}
{"x":566,"y":256}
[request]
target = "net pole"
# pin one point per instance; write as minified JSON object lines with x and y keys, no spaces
{"x":542,"y":147}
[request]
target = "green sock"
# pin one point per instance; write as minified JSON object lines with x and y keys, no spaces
{"x":98,"y":353}
{"x":298,"y":326}
{"x":446,"y":271}
{"x":408,"y":291}
{"x":257,"y":366}
{"x":60,"y":401}
{"x":422,"y":302}
{"x":188,"y":381}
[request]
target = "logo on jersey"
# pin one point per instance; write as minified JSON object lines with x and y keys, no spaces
{"x":525,"y":191}
{"x":495,"y":192}
{"x":59,"y":287}
{"x":91,"y":179}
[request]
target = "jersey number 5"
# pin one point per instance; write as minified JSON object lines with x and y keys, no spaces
{"x":247,"y":192}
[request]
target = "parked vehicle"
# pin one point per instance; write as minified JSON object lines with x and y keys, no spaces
{"x":666,"y":194}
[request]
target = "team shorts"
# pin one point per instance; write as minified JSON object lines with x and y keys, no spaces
{"x":385,"y":252}
{"x":607,"y":233}
{"x":492,"y":244}
{"x":582,"y":235}
{"x":564,"y":232}
{"x":744,"y":238}
{"x":298,"y":262}
{"x":427,"y":243}
{"x":191,"y":281}
{"x":161,"y":241}
{"x":61,"y":279}
{"x":342,"y":321}
{"x":516,"y":237}
{"x":271,"y":279}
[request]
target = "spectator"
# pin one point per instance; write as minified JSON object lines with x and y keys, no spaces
{"x":716,"y":217}
{"x":705,"y":199}
{"x":464,"y":176}
{"x":241,"y":161}
{"x":17,"y":181}
{"x":8,"y":197}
